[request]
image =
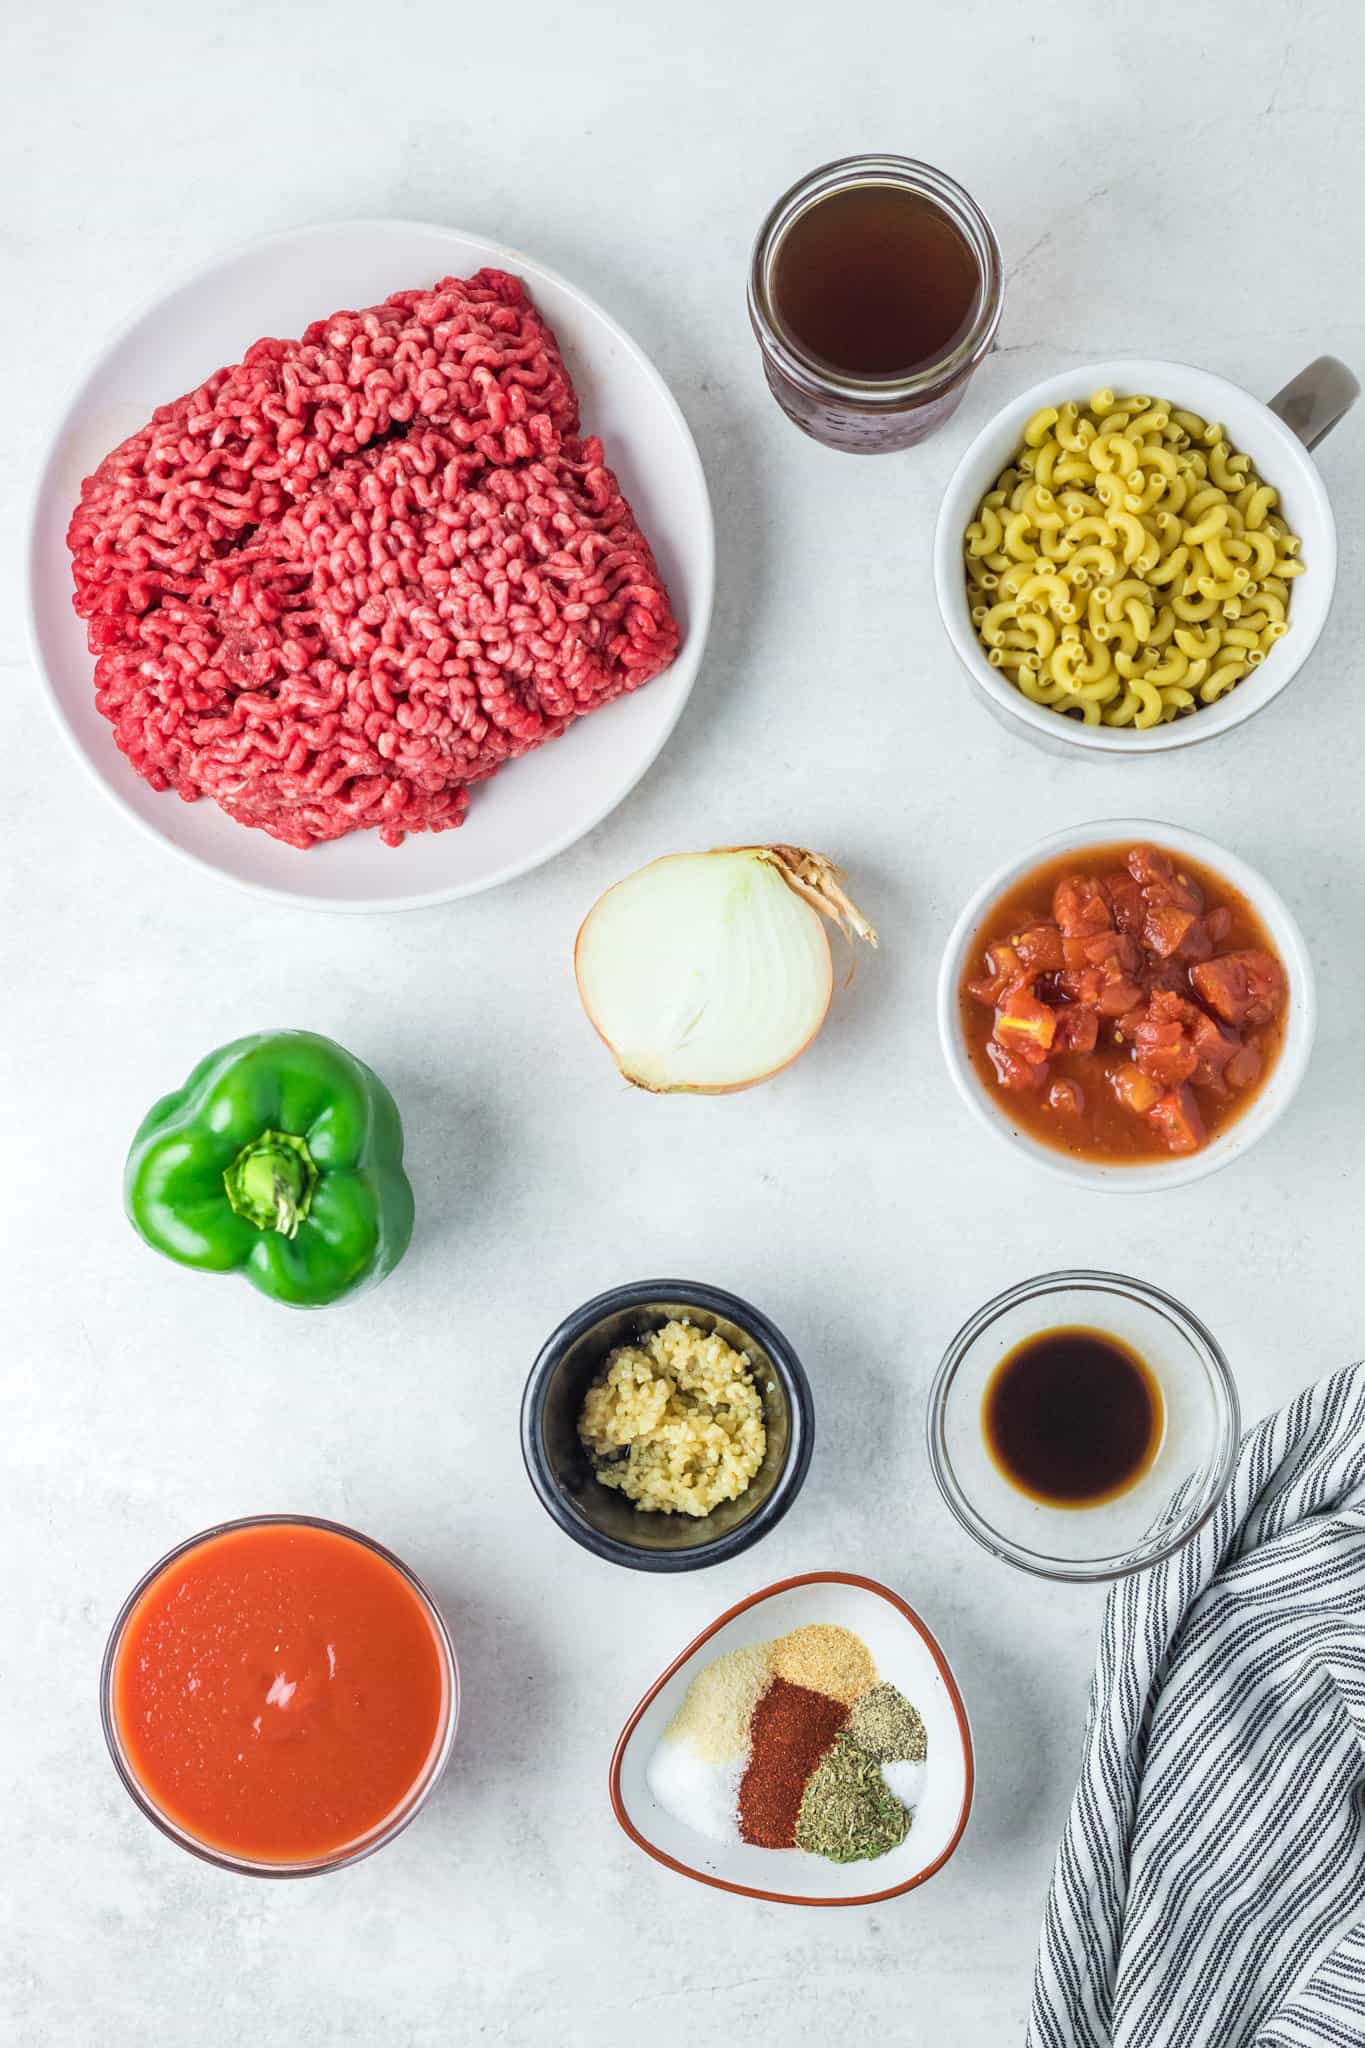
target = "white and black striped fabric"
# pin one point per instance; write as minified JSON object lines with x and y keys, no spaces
{"x":1210,"y":1888}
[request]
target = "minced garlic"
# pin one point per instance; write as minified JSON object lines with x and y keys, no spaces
{"x":675,"y":1421}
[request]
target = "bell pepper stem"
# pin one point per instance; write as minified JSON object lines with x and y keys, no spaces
{"x":271,"y":1182}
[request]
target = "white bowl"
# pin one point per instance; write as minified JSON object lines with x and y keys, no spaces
{"x":1274,"y":1097}
{"x":906,"y":1654}
{"x":1281,"y":460}
{"x":536,"y":806}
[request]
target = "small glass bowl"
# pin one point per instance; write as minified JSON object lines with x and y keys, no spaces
{"x":1176,"y":1494}
{"x":350,"y":1852}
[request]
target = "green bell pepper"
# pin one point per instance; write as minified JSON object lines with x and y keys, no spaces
{"x":281,"y":1158}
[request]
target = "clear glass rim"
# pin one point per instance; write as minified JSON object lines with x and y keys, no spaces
{"x":877,"y":394}
{"x":1121,"y":1565}
{"x":337,"y":1859}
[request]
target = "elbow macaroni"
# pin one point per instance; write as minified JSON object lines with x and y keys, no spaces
{"x":1129,"y":566}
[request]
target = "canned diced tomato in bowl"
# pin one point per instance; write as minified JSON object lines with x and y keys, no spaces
{"x":1128,"y":1002}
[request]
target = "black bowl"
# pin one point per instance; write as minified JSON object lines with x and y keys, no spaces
{"x":603,"y":1520}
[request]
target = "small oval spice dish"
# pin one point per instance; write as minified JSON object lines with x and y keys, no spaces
{"x":807,"y":1634}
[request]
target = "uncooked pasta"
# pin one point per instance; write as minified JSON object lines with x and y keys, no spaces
{"x":1129,"y":566}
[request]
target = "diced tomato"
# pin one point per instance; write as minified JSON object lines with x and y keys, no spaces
{"x":1147,"y":865}
{"x":1176,"y":1009}
{"x":1003,"y":969}
{"x":1082,"y":984}
{"x":1099,"y":961}
{"x":1121,"y":953}
{"x":1243,"y":1070}
{"x":1181,"y":889}
{"x":1040,"y":948}
{"x":1066,"y":1096}
{"x":1111,"y":953}
{"x":1172,"y":930}
{"x":1196,"y":944}
{"x":1161,"y":884}
{"x":1165,"y":929}
{"x":1244,"y":988}
{"x":1215,"y":1044}
{"x":1168,"y":975}
{"x":1165,"y":1053}
{"x":1135,"y":1090}
{"x":1078,"y":1028}
{"x":1163,"y":1040}
{"x":1126,"y":898}
{"x":1080,"y":906}
{"x":1025,"y":1025}
{"x":1266,"y":978}
{"x":1224,"y":986}
{"x":1011,"y":1071}
{"x":1177,"y":1117}
{"x":1119,"y":996}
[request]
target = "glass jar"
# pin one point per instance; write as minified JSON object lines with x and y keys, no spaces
{"x":872,"y":415}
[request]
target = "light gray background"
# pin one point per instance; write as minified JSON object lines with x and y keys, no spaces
{"x":1181,"y":181}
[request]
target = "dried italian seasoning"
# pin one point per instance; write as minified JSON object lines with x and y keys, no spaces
{"x":848,"y":1812}
{"x":884,"y":1723}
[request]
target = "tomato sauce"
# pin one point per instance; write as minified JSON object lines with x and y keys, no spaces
{"x":278,"y":1691}
{"x":1124,"y":1003}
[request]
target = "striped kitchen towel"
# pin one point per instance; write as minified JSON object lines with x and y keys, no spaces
{"x":1210,"y":1887}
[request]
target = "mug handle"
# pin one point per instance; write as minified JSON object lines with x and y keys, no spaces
{"x":1312,"y":403}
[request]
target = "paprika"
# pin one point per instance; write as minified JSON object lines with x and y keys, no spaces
{"x":791,"y":1731}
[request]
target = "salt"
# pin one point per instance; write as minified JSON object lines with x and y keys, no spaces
{"x":906,"y":1781}
{"x":702,"y":1796}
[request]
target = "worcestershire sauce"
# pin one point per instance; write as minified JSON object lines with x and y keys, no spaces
{"x":875,"y":282}
{"x":1072,"y":1417}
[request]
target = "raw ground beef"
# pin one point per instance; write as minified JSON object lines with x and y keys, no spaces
{"x":353,"y":574}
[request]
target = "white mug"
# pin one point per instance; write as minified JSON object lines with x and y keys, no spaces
{"x":1277,"y":437}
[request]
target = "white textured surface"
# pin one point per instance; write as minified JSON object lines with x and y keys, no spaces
{"x":1183,"y":183}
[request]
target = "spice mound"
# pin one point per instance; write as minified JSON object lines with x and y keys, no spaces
{"x":794,"y":1743}
{"x":848,"y":1811}
{"x":675,"y":1421}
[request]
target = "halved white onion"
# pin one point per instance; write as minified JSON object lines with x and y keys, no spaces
{"x":710,"y":972}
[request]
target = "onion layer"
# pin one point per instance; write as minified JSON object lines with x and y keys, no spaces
{"x":710,"y":972}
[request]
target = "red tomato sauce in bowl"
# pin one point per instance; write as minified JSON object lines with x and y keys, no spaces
{"x":1125,"y":1003}
{"x":280,"y":1695}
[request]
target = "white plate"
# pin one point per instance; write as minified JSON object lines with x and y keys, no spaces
{"x":534,"y":807}
{"x":906,"y":1654}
